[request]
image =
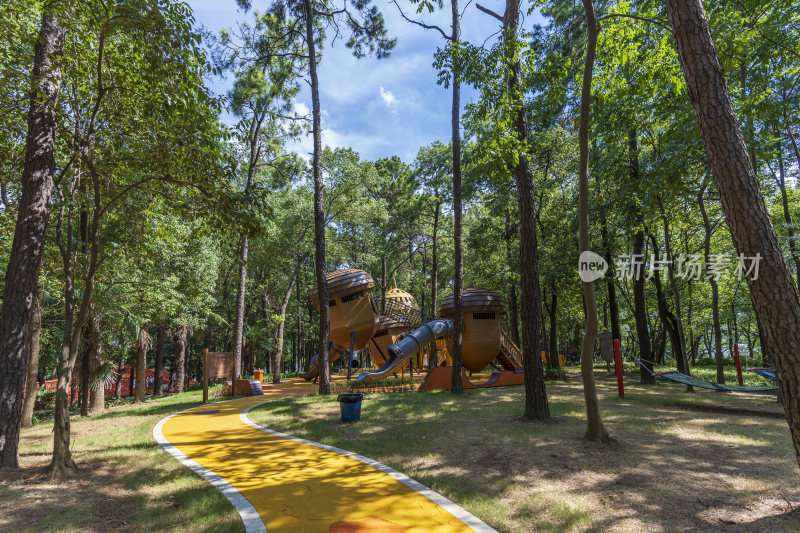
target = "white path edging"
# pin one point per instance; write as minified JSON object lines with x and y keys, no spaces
{"x":468,"y":519}
{"x":250,"y":517}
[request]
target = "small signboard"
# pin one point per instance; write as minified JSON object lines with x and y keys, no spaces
{"x":255,"y":386}
{"x":606,"y":347}
{"x":216,"y":365}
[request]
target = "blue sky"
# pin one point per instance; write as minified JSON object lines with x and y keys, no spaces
{"x":379,"y":108}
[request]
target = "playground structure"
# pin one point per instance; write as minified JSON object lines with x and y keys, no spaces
{"x":352,"y":313}
{"x":390,"y":328}
{"x":397,"y":332}
{"x":483,"y":341}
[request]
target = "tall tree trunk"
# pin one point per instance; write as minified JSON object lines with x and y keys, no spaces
{"x":120,"y":370}
{"x":22,"y":272}
{"x":143,"y":344}
{"x":238,"y":328}
{"x":512,"y":286}
{"x":594,"y":423}
{"x":85,"y":374}
{"x":98,"y":394}
{"x":553,"y":318}
{"x":787,"y":216}
{"x":536,"y":404}
{"x":613,"y":305}
{"x":714,"y":286}
{"x":31,"y":385}
{"x":639,"y":289}
{"x":70,"y":348}
{"x":692,"y":338}
{"x":680,"y":356}
{"x":773,"y":292}
{"x":668,"y":320}
{"x":158,"y":370}
{"x":179,"y":341}
{"x":433,"y":357}
{"x":276,"y":369}
{"x":319,"y":213}
{"x":458,"y":225}
{"x":187,"y":358}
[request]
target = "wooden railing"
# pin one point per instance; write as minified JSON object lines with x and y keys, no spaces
{"x":510,"y":348}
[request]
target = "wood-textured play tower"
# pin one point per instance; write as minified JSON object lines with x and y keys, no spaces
{"x":352,"y":319}
{"x":482,"y":339}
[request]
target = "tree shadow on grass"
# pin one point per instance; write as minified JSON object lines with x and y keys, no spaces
{"x":667,"y":456}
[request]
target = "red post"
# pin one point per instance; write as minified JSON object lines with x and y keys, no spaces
{"x":738,"y":362}
{"x":618,"y":365}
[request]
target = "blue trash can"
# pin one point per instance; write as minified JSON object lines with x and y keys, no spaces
{"x":350,"y":404}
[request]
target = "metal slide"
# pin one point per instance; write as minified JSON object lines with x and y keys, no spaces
{"x":334,"y":351}
{"x":409,"y":346}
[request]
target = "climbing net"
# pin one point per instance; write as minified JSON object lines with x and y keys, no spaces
{"x":679,"y":377}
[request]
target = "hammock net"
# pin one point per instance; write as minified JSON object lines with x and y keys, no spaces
{"x":678,"y":377}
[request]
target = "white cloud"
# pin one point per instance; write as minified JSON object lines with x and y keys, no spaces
{"x":352,"y":114}
{"x":388,"y":98}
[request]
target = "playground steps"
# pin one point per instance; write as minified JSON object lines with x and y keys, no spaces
{"x":510,"y":356}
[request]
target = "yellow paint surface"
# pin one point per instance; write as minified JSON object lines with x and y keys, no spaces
{"x":297,"y":487}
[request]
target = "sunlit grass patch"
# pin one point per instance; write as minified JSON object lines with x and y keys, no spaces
{"x":126,"y":481}
{"x":670,"y":449}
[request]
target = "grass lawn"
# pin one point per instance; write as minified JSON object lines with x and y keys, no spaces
{"x":126,"y":482}
{"x":703,"y":462}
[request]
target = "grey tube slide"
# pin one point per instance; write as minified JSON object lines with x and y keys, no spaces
{"x":409,"y":346}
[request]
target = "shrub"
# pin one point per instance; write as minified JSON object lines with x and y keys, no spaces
{"x":404,"y":384}
{"x":219,"y":390}
{"x":555,"y":373}
{"x":44,"y":398}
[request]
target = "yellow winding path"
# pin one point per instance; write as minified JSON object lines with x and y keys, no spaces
{"x":282,"y":483}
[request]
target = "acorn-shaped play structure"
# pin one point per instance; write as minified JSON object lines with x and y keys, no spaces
{"x":482,"y":333}
{"x":389,"y":329}
{"x":403,"y":297}
{"x":350,"y":296}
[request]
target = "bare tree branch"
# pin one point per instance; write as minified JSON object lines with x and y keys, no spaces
{"x":422,"y":24}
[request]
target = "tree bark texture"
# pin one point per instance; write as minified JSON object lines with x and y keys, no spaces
{"x":536,"y":403}
{"x":180,"y":339}
{"x":458,"y":211}
{"x":714,"y":288}
{"x":158,"y":370}
{"x":594,"y":424}
{"x":773,"y":292}
{"x":22,"y":272}
{"x":31,"y":384}
{"x":319,"y":213}
{"x":639,"y":289}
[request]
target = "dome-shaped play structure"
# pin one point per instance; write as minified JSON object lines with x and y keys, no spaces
{"x":403,"y":297}
{"x":352,"y":313}
{"x":350,"y":294}
{"x":482,"y":336}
